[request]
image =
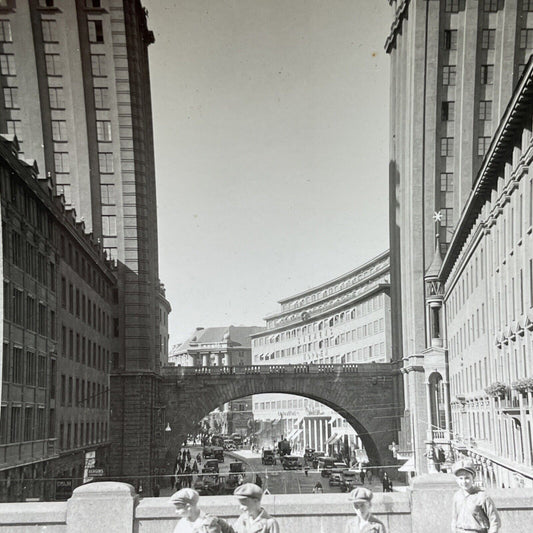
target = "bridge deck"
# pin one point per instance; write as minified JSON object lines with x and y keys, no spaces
{"x":365,"y":368}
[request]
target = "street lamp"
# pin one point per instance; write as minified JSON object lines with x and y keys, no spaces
{"x":168,"y":428}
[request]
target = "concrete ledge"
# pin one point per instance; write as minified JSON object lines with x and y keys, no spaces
{"x":42,"y":513}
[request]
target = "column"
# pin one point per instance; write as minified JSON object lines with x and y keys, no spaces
{"x":321,"y":433}
{"x":220,"y":357}
{"x":205,"y":359}
{"x":315,"y":432}
{"x":305,"y":435}
{"x":447,"y":408}
{"x":428,"y":409}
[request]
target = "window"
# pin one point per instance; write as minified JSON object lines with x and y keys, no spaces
{"x":101,"y":98}
{"x":93,"y":3}
{"x":53,"y":64}
{"x":488,"y":38}
{"x":450,"y":39}
{"x":16,"y":248}
{"x":109,"y":226}
{"x":490,"y":5}
{"x":448,"y":74}
{"x":446,"y":182}
{"x":107,"y":194}
{"x":30,"y":313}
{"x":18,"y":307}
{"x":105,"y":160}
{"x":482,"y":145}
{"x":5,"y":31}
{"x":448,"y":111}
{"x":56,"y":96}
{"x":527,"y":5}
{"x":11,"y":97}
{"x":42,"y":326}
{"x":526,"y":38}
{"x":103,"y":130}
{"x":446,"y":146}
{"x":18,"y":365}
{"x":487,"y":74}
{"x":14,"y":127}
{"x":7,"y":65}
{"x":31,"y":370}
{"x":15,"y":423}
{"x":96,"y":31}
{"x":47,"y":3}
{"x":451,"y":6}
{"x":61,"y":162}
{"x":59,"y":130}
{"x":485,"y":110}
{"x":98,"y":64}
{"x":49,"y":28}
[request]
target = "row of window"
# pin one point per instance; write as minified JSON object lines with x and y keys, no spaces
{"x":84,"y":308}
{"x":22,"y":309}
{"x":84,"y":350}
{"x":488,"y":6}
{"x":358,"y":311}
{"x":22,"y":423}
{"x":81,"y":434}
{"x":23,"y":368}
{"x":86,"y":394}
{"x":298,"y":403}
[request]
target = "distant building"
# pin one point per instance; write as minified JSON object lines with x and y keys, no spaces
{"x":221,"y":346}
{"x":164,"y":311}
{"x":342,"y":321}
{"x":59,"y":336}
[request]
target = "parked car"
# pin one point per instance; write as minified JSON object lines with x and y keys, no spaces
{"x":229,"y":445}
{"x":218,"y":453}
{"x":268,"y":457}
{"x":335,"y":479}
{"x":290,"y":462}
{"x":207,"y":485}
{"x":210,"y":466}
{"x":348,"y":480}
{"x":207,"y":452}
{"x":325,"y":464}
{"x":309,"y":454}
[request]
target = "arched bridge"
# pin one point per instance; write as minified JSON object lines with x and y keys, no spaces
{"x":364,"y":395}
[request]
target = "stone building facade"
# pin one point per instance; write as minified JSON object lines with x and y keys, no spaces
{"x":59,"y":318}
{"x":454,"y":65}
{"x":342,"y":321}
{"x":487,"y":293}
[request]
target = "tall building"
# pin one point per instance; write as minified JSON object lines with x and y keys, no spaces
{"x":345,"y":320}
{"x":454,"y":64}
{"x":58,"y":318}
{"x":76,"y":93}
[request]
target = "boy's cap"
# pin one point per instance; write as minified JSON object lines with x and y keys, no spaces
{"x":248,"y":490}
{"x":360,"y":494}
{"x":465,"y":465}
{"x":185,"y":496}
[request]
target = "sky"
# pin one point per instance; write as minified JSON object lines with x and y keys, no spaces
{"x":271,"y":142}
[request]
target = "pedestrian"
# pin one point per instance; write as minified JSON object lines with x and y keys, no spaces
{"x":258,"y":480}
{"x":317,"y":489}
{"x":188,"y":476}
{"x":369,"y":476}
{"x":364,"y":521}
{"x":385,"y":482}
{"x":195,"y":467}
{"x":192,"y":519}
{"x":188,"y":455}
{"x":156,"y":491}
{"x":472,"y":509}
{"x":306,"y":470}
{"x":199,"y":458}
{"x":253,"y":517}
{"x":362,"y":475}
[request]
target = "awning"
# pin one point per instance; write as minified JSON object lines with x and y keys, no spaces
{"x":408,"y":466}
{"x":334,"y":438}
{"x":294,"y":433}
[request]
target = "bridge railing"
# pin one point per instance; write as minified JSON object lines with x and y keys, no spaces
{"x":370,"y":368}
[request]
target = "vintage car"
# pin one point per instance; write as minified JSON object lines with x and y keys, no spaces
{"x":325,"y":464}
{"x":268,"y":457}
{"x":348,"y":480}
{"x":229,"y":445}
{"x":290,"y":462}
{"x":207,"y":452}
{"x":335,"y":479}
{"x":207,"y":485}
{"x":218,"y":453}
{"x":210,"y":466}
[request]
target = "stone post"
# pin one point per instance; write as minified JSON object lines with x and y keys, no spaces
{"x":426,"y":515}
{"x":105,"y":506}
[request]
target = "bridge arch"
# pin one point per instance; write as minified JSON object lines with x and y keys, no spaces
{"x":363,"y":394}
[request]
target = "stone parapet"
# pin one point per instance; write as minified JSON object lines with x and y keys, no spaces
{"x":111,"y":506}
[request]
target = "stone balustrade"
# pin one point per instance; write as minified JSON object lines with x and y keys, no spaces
{"x":111,"y":506}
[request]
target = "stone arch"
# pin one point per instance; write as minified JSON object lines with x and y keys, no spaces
{"x":364,"y":399}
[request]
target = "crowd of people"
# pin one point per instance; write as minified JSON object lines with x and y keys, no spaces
{"x":472,"y":511}
{"x":185,"y":467}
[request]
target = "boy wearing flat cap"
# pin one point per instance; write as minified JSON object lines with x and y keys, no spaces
{"x":192,"y":518}
{"x":364,"y":521}
{"x":473,"y":510}
{"x":253,"y":517}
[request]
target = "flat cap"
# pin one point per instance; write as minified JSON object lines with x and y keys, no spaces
{"x":465,"y":464}
{"x":185,"y":496}
{"x":360,"y":494}
{"x":248,"y":490}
